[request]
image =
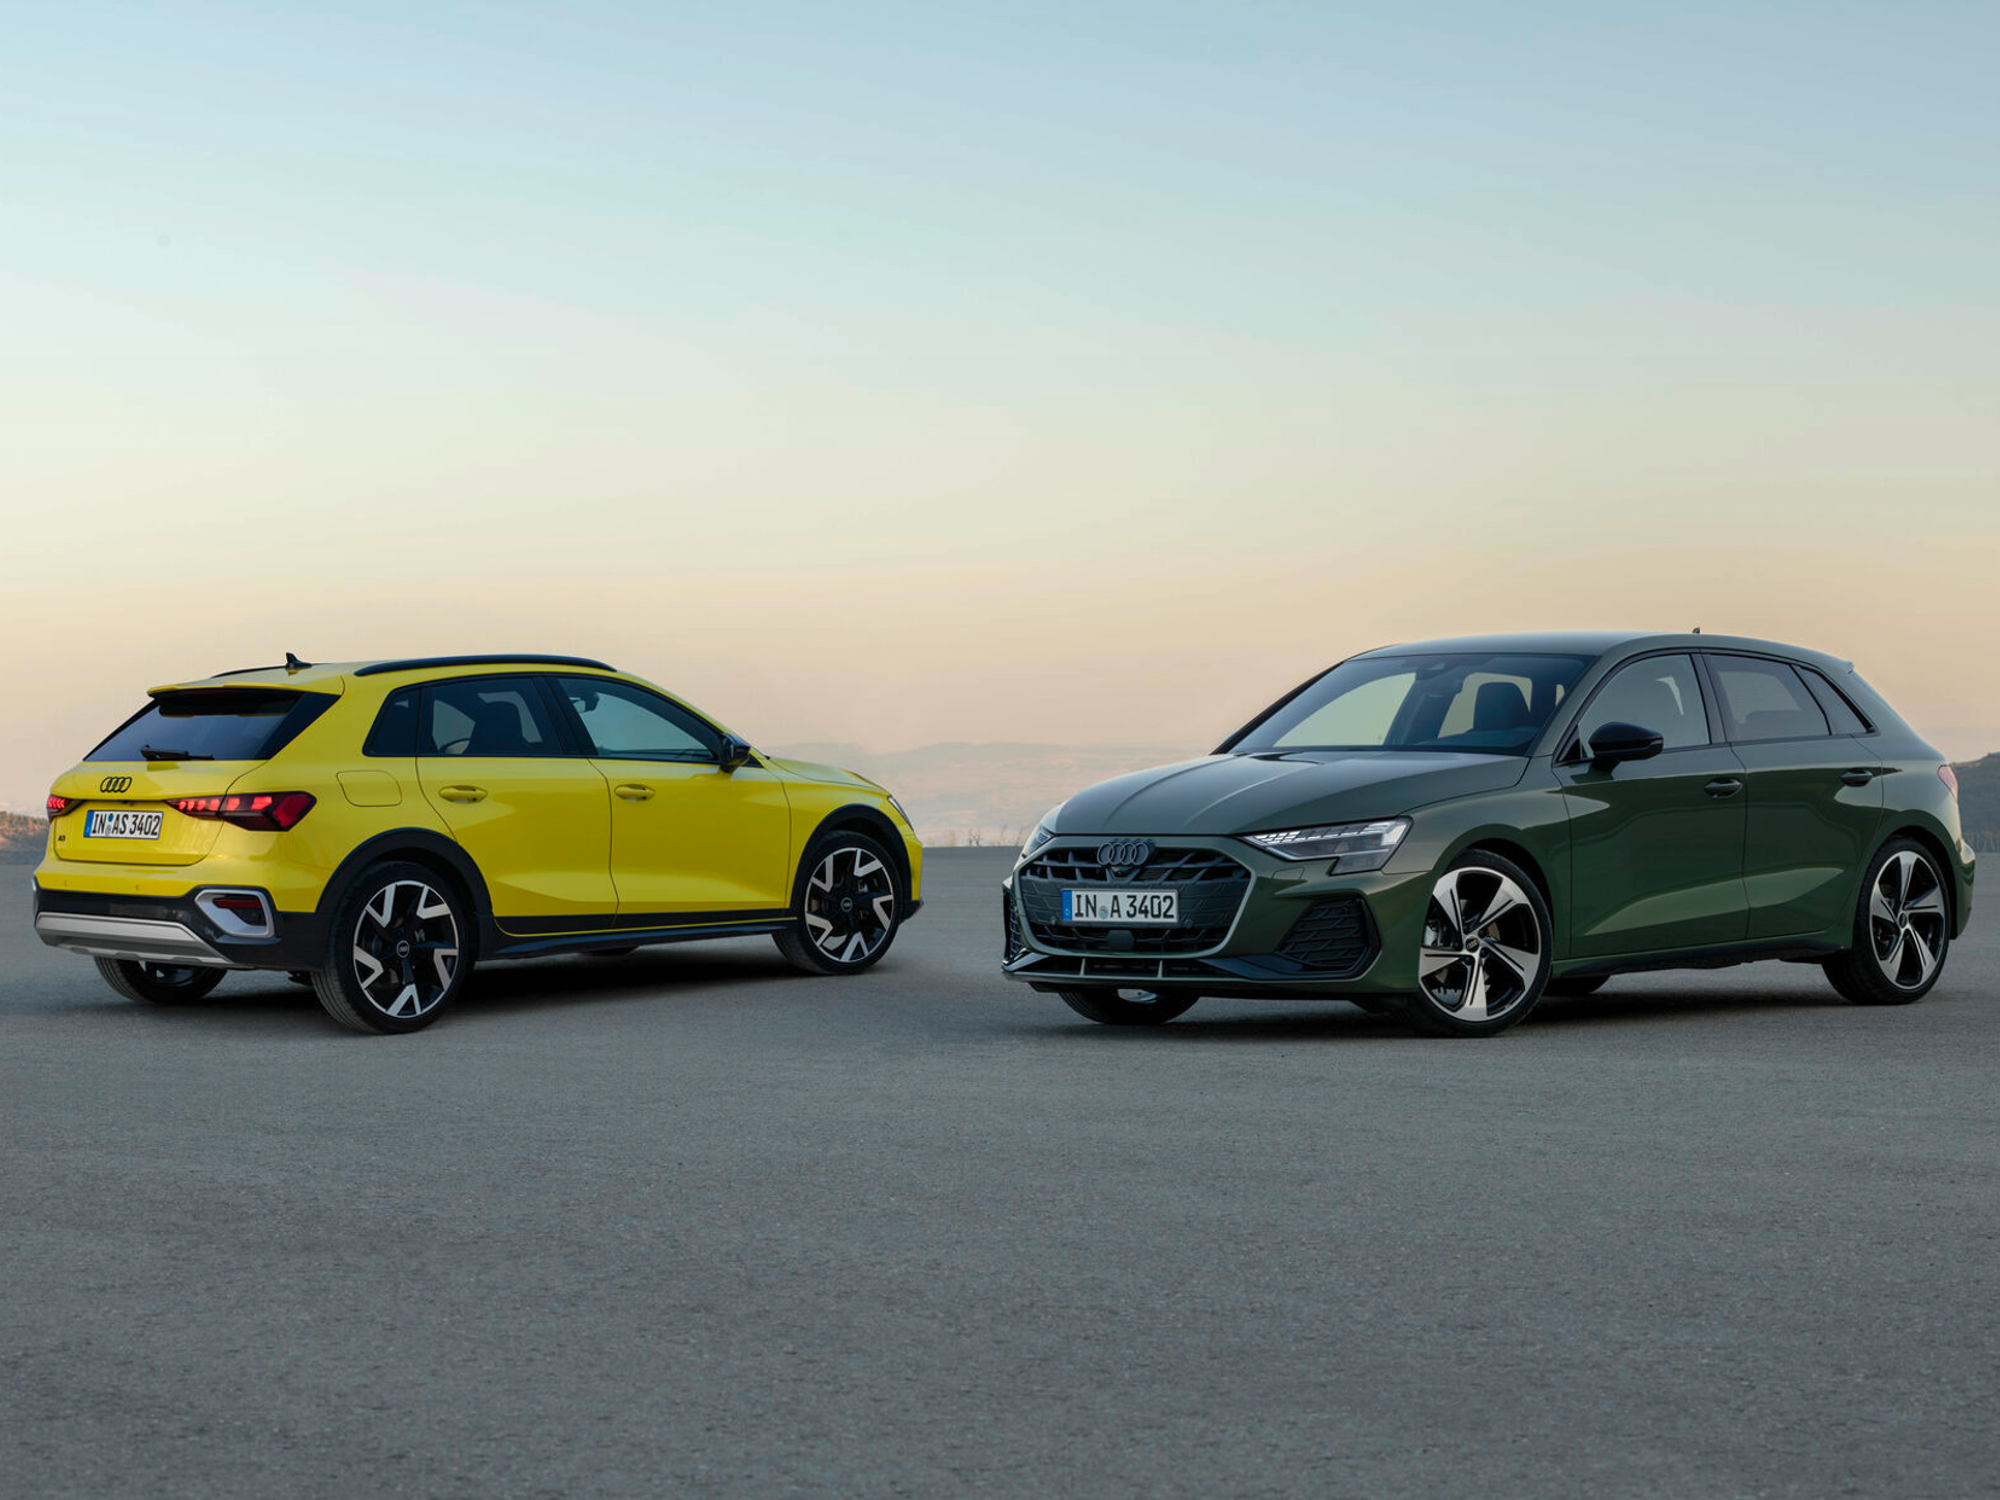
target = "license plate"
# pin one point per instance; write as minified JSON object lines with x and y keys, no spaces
{"x":1121,"y":908}
{"x":122,"y":825}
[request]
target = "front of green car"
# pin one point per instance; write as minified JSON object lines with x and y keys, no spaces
{"x":1298,"y":860}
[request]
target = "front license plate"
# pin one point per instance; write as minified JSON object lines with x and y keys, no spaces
{"x":122,"y":825}
{"x":1121,"y":908}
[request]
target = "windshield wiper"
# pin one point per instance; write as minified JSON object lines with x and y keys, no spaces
{"x":151,"y":754}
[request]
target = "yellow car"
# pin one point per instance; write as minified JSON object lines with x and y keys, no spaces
{"x":377,"y":827}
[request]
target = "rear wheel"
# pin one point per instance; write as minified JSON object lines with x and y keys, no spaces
{"x":847,"y":909}
{"x":1485,"y":954}
{"x":1902,"y":930}
{"x":158,"y":984}
{"x":399,"y":951}
{"x":1110,"y":1007}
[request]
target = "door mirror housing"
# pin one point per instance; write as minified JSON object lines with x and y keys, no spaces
{"x":1616,"y":742}
{"x":735,"y":754}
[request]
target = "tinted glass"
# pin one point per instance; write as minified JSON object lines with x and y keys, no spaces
{"x":1765,"y":700}
{"x":395,"y":731}
{"x":1660,"y":693}
{"x":1841,"y":714}
{"x":486,"y":716}
{"x":628,"y":723}
{"x":1488,"y":703}
{"x":214,"y":724}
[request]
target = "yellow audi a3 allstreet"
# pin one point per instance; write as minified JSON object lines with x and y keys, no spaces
{"x":378,"y":827}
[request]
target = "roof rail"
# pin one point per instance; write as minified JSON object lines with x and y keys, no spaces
{"x":421,"y":663}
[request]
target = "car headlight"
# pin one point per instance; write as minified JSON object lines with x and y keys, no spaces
{"x":1352,"y":846}
{"x":1041,"y":833}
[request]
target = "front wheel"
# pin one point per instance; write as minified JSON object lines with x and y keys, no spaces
{"x":1127,"y":1007}
{"x":1902,"y":930}
{"x":847,"y":909}
{"x":1485,"y":954}
{"x":399,"y":951}
{"x":158,"y":984}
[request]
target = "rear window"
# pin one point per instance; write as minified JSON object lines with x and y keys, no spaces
{"x":213,"y":724}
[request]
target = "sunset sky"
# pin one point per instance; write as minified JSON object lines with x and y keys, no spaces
{"x":894,"y":373}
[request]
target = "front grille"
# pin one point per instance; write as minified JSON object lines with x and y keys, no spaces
{"x":1011,"y":944}
{"x":1211,"y":887}
{"x":1331,"y":937}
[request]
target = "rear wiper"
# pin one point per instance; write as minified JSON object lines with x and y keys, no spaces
{"x":151,"y":754}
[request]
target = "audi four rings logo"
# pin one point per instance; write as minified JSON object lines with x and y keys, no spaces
{"x":1124,"y":854}
{"x":115,"y":784}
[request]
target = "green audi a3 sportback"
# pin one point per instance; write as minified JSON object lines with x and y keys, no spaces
{"x":1453,"y":829}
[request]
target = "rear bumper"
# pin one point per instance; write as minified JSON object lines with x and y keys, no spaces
{"x":172,"y":930}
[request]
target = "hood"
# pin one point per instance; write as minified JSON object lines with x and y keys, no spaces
{"x":805,"y":770}
{"x":1231,"y":794}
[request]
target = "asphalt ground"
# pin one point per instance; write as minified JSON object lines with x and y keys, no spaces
{"x":685,"y":1223}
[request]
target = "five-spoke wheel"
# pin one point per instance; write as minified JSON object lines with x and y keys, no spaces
{"x":1902,"y":931}
{"x":1485,"y":953}
{"x":847,"y":909}
{"x":398,"y":951}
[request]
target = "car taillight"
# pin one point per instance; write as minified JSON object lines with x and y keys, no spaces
{"x":271,"y":811}
{"x":1945,"y":774}
{"x":60,"y":805}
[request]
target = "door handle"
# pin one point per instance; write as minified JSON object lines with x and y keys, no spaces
{"x":462,"y":793}
{"x":633,"y":791}
{"x":1723,"y":786}
{"x":1860,"y":775}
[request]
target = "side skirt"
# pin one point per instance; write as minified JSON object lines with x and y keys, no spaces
{"x":503,"y":946}
{"x":1797,"y":950}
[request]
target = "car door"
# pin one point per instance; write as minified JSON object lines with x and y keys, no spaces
{"x":1656,"y":846}
{"x":689,"y":839}
{"x":1815,"y":799}
{"x":536,"y":820}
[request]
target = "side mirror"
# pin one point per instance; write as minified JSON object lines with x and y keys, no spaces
{"x":1615,"y":743}
{"x":735,"y":754}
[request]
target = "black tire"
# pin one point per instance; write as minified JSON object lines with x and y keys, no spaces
{"x":1109,"y":1007}
{"x":1582,"y":984}
{"x":1481,"y":973}
{"x":158,"y":984}
{"x":425,"y":917}
{"x":847,"y":906}
{"x":1899,"y":946}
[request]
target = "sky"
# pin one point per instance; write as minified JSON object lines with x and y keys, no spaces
{"x":896,"y":373}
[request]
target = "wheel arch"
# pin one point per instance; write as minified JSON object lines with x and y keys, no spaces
{"x":1939,"y":851}
{"x":418,"y":846}
{"x":857,"y":817}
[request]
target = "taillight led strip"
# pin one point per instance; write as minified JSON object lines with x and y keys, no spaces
{"x":273,"y":811}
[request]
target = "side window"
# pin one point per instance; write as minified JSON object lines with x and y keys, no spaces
{"x":1660,"y":693}
{"x":1844,"y":717}
{"x":1765,"y":700}
{"x":395,"y":731}
{"x":623,"y":722}
{"x":486,"y":716}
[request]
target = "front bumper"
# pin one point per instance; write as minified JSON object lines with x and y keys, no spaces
{"x":173,"y":930}
{"x":1374,"y":922}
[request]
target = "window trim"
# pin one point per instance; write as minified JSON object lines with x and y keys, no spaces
{"x":1569,"y":744}
{"x":1799,"y":668}
{"x":1812,"y":674}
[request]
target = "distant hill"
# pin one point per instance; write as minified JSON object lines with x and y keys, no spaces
{"x":987,"y":794}
{"x":22,"y":838}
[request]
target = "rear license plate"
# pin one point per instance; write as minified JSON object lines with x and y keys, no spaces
{"x":1121,"y":908}
{"x":122,"y":825}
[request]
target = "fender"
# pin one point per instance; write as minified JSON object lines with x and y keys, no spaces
{"x":861,"y":818}
{"x":399,"y":841}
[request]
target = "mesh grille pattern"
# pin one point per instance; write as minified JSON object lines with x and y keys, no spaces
{"x":1331,"y":936}
{"x":1211,"y":886}
{"x":1011,"y":944}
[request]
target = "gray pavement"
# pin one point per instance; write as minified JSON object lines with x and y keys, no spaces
{"x":684,"y":1223}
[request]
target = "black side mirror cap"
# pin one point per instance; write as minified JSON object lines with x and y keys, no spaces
{"x":1616,"y":742}
{"x":735,"y":754}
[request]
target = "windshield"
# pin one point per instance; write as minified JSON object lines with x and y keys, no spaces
{"x":1486,"y":703}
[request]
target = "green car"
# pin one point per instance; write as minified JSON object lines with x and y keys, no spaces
{"x":1450,"y":830}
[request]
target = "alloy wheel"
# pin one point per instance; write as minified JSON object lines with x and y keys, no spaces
{"x":1482,"y":945}
{"x":406,"y":949}
{"x":1906,"y":919}
{"x":850,"y":906}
